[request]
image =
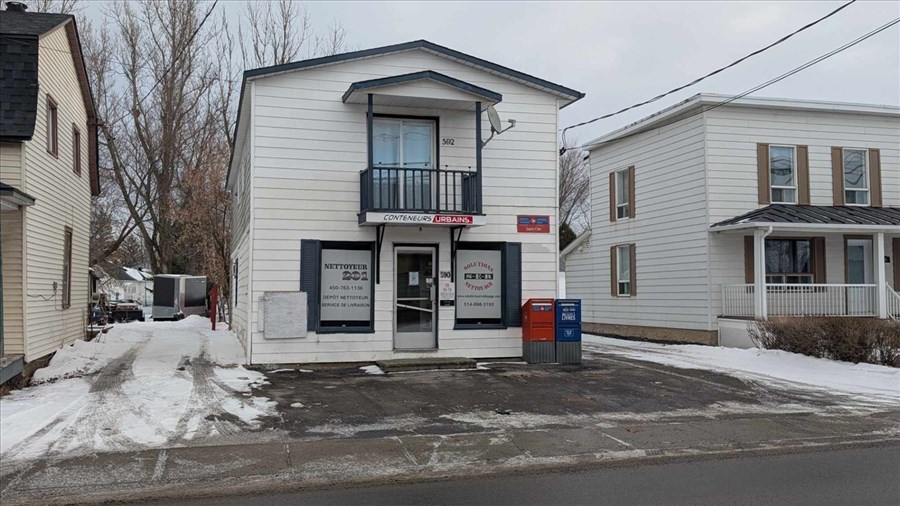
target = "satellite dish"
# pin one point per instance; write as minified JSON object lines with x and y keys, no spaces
{"x":494,"y":118}
{"x":496,"y":125}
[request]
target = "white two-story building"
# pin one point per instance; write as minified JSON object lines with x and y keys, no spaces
{"x":376,"y":215}
{"x":709,"y":214}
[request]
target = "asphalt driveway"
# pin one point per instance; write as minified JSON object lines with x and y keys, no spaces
{"x":606,"y":392}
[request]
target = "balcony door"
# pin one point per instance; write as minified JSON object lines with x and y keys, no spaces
{"x":403,"y":161}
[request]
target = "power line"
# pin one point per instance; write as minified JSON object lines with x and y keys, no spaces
{"x":714,"y":72}
{"x":770,"y":82}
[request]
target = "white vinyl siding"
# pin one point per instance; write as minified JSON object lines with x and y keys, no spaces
{"x":11,"y":164}
{"x":733,"y":133}
{"x":670,"y":234}
{"x":13,"y":304}
{"x":63,"y":199}
{"x":309,"y":148}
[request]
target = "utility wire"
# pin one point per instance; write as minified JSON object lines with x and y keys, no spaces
{"x":771,"y":81}
{"x":714,"y":72}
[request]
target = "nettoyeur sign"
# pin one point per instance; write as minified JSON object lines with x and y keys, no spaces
{"x":420,"y":219}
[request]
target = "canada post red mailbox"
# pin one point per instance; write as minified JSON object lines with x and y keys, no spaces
{"x":538,"y":319}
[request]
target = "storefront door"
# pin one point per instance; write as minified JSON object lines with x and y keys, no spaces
{"x":414,"y":298}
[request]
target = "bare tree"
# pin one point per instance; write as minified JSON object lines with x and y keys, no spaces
{"x":278,"y":31}
{"x":57,"y":6}
{"x":574,"y":188}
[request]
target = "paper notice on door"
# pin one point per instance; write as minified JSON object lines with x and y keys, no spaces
{"x":413,"y":279}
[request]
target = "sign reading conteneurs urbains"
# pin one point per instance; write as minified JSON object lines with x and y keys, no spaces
{"x":346,"y":285}
{"x":478,"y":284}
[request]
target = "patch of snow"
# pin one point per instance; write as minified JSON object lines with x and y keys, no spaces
{"x":880,"y":384}
{"x":371,"y":369}
{"x":142,"y":385}
{"x":297,"y":405}
{"x":288,"y":370}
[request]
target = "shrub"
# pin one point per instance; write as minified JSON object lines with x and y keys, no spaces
{"x":848,"y":339}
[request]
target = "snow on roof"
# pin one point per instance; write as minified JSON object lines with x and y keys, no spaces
{"x":132,"y":274}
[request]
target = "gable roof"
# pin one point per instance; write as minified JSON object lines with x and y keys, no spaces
{"x":20,"y":34}
{"x":702,"y":101}
{"x":425,"y":75}
{"x":430,"y":47}
{"x":815,"y":216}
{"x":575,"y":243}
{"x":424,"y":45}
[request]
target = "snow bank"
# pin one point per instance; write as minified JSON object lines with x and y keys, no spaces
{"x":142,"y":385}
{"x":868,"y":381}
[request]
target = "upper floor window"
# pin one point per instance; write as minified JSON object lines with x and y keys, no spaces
{"x":856,"y":177}
{"x":76,"y":150}
{"x":783,"y":174}
{"x":52,"y":131}
{"x":621,"y":194}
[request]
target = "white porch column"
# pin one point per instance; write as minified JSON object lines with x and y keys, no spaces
{"x":759,"y":273}
{"x":880,"y":278}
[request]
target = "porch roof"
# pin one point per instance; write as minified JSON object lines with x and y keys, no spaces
{"x":819,"y":218}
{"x":14,"y":196}
{"x":450,"y":93}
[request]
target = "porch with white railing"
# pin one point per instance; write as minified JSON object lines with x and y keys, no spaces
{"x":804,"y":300}
{"x":893,"y":303}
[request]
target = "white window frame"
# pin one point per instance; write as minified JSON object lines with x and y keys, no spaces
{"x":772,"y":187}
{"x":623,"y":250}
{"x":867,"y":176}
{"x":623,"y":209}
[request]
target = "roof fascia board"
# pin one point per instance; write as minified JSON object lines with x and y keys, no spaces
{"x":430,"y":47}
{"x":421,"y":76}
{"x":575,"y":243}
{"x":657,"y":119}
{"x":814,"y":227}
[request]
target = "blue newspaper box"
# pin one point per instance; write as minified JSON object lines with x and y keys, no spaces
{"x":568,"y":331}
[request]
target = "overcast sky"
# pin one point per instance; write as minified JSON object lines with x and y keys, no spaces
{"x":620,"y":53}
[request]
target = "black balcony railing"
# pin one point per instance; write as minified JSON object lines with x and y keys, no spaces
{"x":407,"y":189}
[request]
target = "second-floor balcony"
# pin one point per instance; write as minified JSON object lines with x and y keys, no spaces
{"x":419,"y":190}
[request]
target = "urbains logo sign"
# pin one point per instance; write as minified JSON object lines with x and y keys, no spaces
{"x":478,"y":276}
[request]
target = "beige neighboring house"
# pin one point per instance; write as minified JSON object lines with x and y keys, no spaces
{"x":48,"y":173}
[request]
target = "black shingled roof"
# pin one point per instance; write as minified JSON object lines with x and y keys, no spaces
{"x":819,"y":215}
{"x":19,"y":36}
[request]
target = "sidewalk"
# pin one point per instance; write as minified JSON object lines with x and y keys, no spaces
{"x":231,"y":470}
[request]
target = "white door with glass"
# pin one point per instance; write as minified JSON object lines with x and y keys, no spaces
{"x":403,"y":160}
{"x":859,"y":262}
{"x":414,"y":298}
{"x":859,"y":272}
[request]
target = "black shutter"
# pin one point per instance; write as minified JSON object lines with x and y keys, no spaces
{"x":512,"y":283}
{"x":310,"y":269}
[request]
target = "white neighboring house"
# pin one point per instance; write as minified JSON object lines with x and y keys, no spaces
{"x":129,"y":284}
{"x":362,"y":184}
{"x":705,"y":216}
{"x":48,"y":173}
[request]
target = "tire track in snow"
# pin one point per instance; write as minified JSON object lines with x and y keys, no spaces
{"x":204,"y":403}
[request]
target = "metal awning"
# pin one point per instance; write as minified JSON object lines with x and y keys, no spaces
{"x":14,"y":198}
{"x":427,"y":90}
{"x":816,"y":218}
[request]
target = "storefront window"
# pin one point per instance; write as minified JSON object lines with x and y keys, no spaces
{"x":479,"y":284}
{"x":347,"y":288}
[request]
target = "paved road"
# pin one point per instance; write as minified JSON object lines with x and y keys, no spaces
{"x":848,"y":476}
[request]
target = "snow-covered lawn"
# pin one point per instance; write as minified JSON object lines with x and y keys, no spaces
{"x":139,"y":386}
{"x":875,"y":383}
